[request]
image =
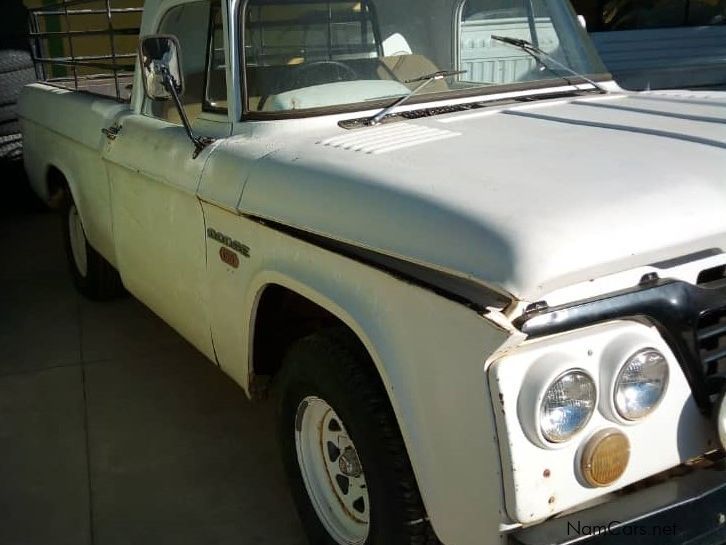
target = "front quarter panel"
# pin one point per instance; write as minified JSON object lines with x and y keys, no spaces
{"x":429,"y":351}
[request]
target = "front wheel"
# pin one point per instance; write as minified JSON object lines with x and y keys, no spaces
{"x":350,"y":475}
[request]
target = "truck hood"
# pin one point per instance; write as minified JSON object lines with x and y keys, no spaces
{"x":524,"y":199}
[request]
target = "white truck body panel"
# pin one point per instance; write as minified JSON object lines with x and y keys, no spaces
{"x":76,"y":152}
{"x":516,"y":199}
{"x":394,"y":320}
{"x":405,"y":201}
{"x":159,"y":226}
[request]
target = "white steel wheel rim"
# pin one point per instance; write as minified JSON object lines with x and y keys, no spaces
{"x":721,"y":420}
{"x":332,"y":472}
{"x":78,"y":241}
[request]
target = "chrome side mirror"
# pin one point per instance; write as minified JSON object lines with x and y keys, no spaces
{"x":161,"y":67}
{"x":163,"y":79}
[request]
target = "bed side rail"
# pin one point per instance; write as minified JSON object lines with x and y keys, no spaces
{"x":86,"y":45}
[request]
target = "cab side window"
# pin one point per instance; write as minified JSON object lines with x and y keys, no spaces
{"x":190,"y":24}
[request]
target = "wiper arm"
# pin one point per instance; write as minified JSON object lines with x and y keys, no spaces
{"x":425,"y":80}
{"x":540,"y":56}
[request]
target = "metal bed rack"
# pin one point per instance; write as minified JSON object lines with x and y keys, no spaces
{"x":59,"y":22}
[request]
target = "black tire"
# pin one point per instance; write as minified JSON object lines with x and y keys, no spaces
{"x":333,"y":366}
{"x":101,"y":282}
{"x":11,"y":149}
{"x":16,"y":71}
{"x":9,"y":124}
{"x":11,"y":83}
{"x":7,"y":113}
{"x":13,"y":60}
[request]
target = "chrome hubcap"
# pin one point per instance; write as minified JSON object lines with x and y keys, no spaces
{"x":78,"y":241}
{"x":721,"y":420}
{"x":332,"y":472}
{"x":350,"y":464}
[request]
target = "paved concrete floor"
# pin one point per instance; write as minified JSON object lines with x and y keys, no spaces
{"x":113,"y":430}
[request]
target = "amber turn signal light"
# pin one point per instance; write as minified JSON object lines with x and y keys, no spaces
{"x":605,"y":457}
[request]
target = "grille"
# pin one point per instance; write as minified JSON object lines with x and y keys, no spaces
{"x":711,"y":337}
{"x":711,"y":275}
{"x":711,"y":333}
{"x":690,"y":316}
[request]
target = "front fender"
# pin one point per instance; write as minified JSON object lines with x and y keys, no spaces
{"x":429,"y":351}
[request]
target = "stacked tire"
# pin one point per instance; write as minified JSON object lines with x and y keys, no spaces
{"x":16,"y":71}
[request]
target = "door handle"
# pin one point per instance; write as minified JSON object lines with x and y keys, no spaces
{"x":112,"y":132}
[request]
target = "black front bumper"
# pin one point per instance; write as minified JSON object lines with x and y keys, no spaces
{"x":687,"y":510}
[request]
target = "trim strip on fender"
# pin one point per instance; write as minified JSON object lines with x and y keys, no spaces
{"x":461,"y":290}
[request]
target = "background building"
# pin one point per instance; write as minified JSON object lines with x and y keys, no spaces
{"x":660,"y":43}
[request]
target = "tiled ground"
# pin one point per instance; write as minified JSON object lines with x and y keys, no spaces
{"x":113,"y":430}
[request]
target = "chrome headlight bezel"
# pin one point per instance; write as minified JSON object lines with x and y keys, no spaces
{"x":583,"y":422}
{"x":616,"y":356}
{"x":618,"y":384}
{"x":538,"y":381}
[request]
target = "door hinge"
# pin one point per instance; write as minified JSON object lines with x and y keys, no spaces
{"x":112,"y":132}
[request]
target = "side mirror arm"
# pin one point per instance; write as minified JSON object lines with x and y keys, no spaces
{"x":200,"y":142}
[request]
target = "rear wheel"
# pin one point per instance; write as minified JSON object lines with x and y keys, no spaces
{"x":93,"y":276}
{"x":345,"y":458}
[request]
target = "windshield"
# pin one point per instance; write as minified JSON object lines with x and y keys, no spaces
{"x":306,"y":54}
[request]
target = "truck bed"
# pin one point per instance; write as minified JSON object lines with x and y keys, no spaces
{"x":86,"y":45}
{"x":665,"y":58}
{"x":105,"y":86}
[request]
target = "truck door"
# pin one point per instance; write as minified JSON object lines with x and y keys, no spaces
{"x":158,"y":225}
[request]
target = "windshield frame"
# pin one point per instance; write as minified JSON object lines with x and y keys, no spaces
{"x":371,"y":105}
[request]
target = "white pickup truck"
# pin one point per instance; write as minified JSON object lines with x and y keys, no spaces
{"x":488,"y":285}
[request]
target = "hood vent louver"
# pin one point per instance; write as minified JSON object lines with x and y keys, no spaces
{"x":376,"y":140}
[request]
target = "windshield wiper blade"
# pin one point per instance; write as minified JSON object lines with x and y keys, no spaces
{"x":540,"y":56}
{"x":425,"y":80}
{"x":433,"y":76}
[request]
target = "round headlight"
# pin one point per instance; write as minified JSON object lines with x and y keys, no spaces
{"x":567,"y":406}
{"x":641,"y":384}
